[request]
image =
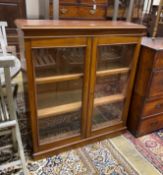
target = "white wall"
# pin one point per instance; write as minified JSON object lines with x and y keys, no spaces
{"x":147,"y":4}
{"x":32,"y":9}
{"x":156,"y":2}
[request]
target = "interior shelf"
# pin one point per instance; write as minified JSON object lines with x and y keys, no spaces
{"x":113,"y":71}
{"x":52,"y":79}
{"x":57,"y":110}
{"x":62,"y":109}
{"x":108,"y":99}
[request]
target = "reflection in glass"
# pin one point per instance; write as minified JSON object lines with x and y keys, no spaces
{"x":60,"y":127}
{"x":113,"y":69}
{"x":58,"y":61}
{"x":58,"y":100}
{"x":110,"y":57}
{"x":103,"y":115}
{"x":110,"y":85}
{"x":59,"y":93}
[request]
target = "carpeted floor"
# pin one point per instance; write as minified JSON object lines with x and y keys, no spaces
{"x":150,"y":146}
{"x":99,"y":158}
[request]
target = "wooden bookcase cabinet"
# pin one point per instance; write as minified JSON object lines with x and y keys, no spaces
{"x":79,"y":81}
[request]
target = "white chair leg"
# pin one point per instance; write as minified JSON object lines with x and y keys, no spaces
{"x":7,"y":108}
{"x":21,"y":150}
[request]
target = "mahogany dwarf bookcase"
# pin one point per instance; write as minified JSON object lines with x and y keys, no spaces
{"x":79,"y":77}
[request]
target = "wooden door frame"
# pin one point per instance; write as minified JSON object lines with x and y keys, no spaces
{"x":110,"y":40}
{"x":53,"y":43}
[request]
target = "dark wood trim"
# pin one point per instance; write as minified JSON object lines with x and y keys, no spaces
{"x":131,"y":81}
{"x":92,"y":86}
{"x":32,"y":95}
{"x":86,"y":87}
{"x":74,"y":145}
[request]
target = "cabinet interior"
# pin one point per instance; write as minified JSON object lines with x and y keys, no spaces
{"x":59,"y":80}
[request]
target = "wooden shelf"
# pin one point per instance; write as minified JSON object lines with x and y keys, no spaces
{"x":57,"y":110}
{"x":113,"y":71}
{"x":108,"y":99}
{"x":58,"y":78}
{"x":62,"y":109}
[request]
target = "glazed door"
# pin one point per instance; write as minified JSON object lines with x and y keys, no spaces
{"x":61,"y":81}
{"x":114,"y":60}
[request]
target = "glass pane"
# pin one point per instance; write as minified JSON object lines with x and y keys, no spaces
{"x":58,"y":99}
{"x":59,"y":127}
{"x":113,"y":71}
{"x":59,"y":93}
{"x":58,"y":61}
{"x":110,"y":85}
{"x":104,"y":115}
{"x":110,"y":57}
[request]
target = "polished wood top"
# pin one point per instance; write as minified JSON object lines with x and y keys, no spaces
{"x":156,"y":43}
{"x":74,"y":24}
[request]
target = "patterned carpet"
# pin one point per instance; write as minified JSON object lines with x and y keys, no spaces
{"x":100,"y":158}
{"x":150,"y":146}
